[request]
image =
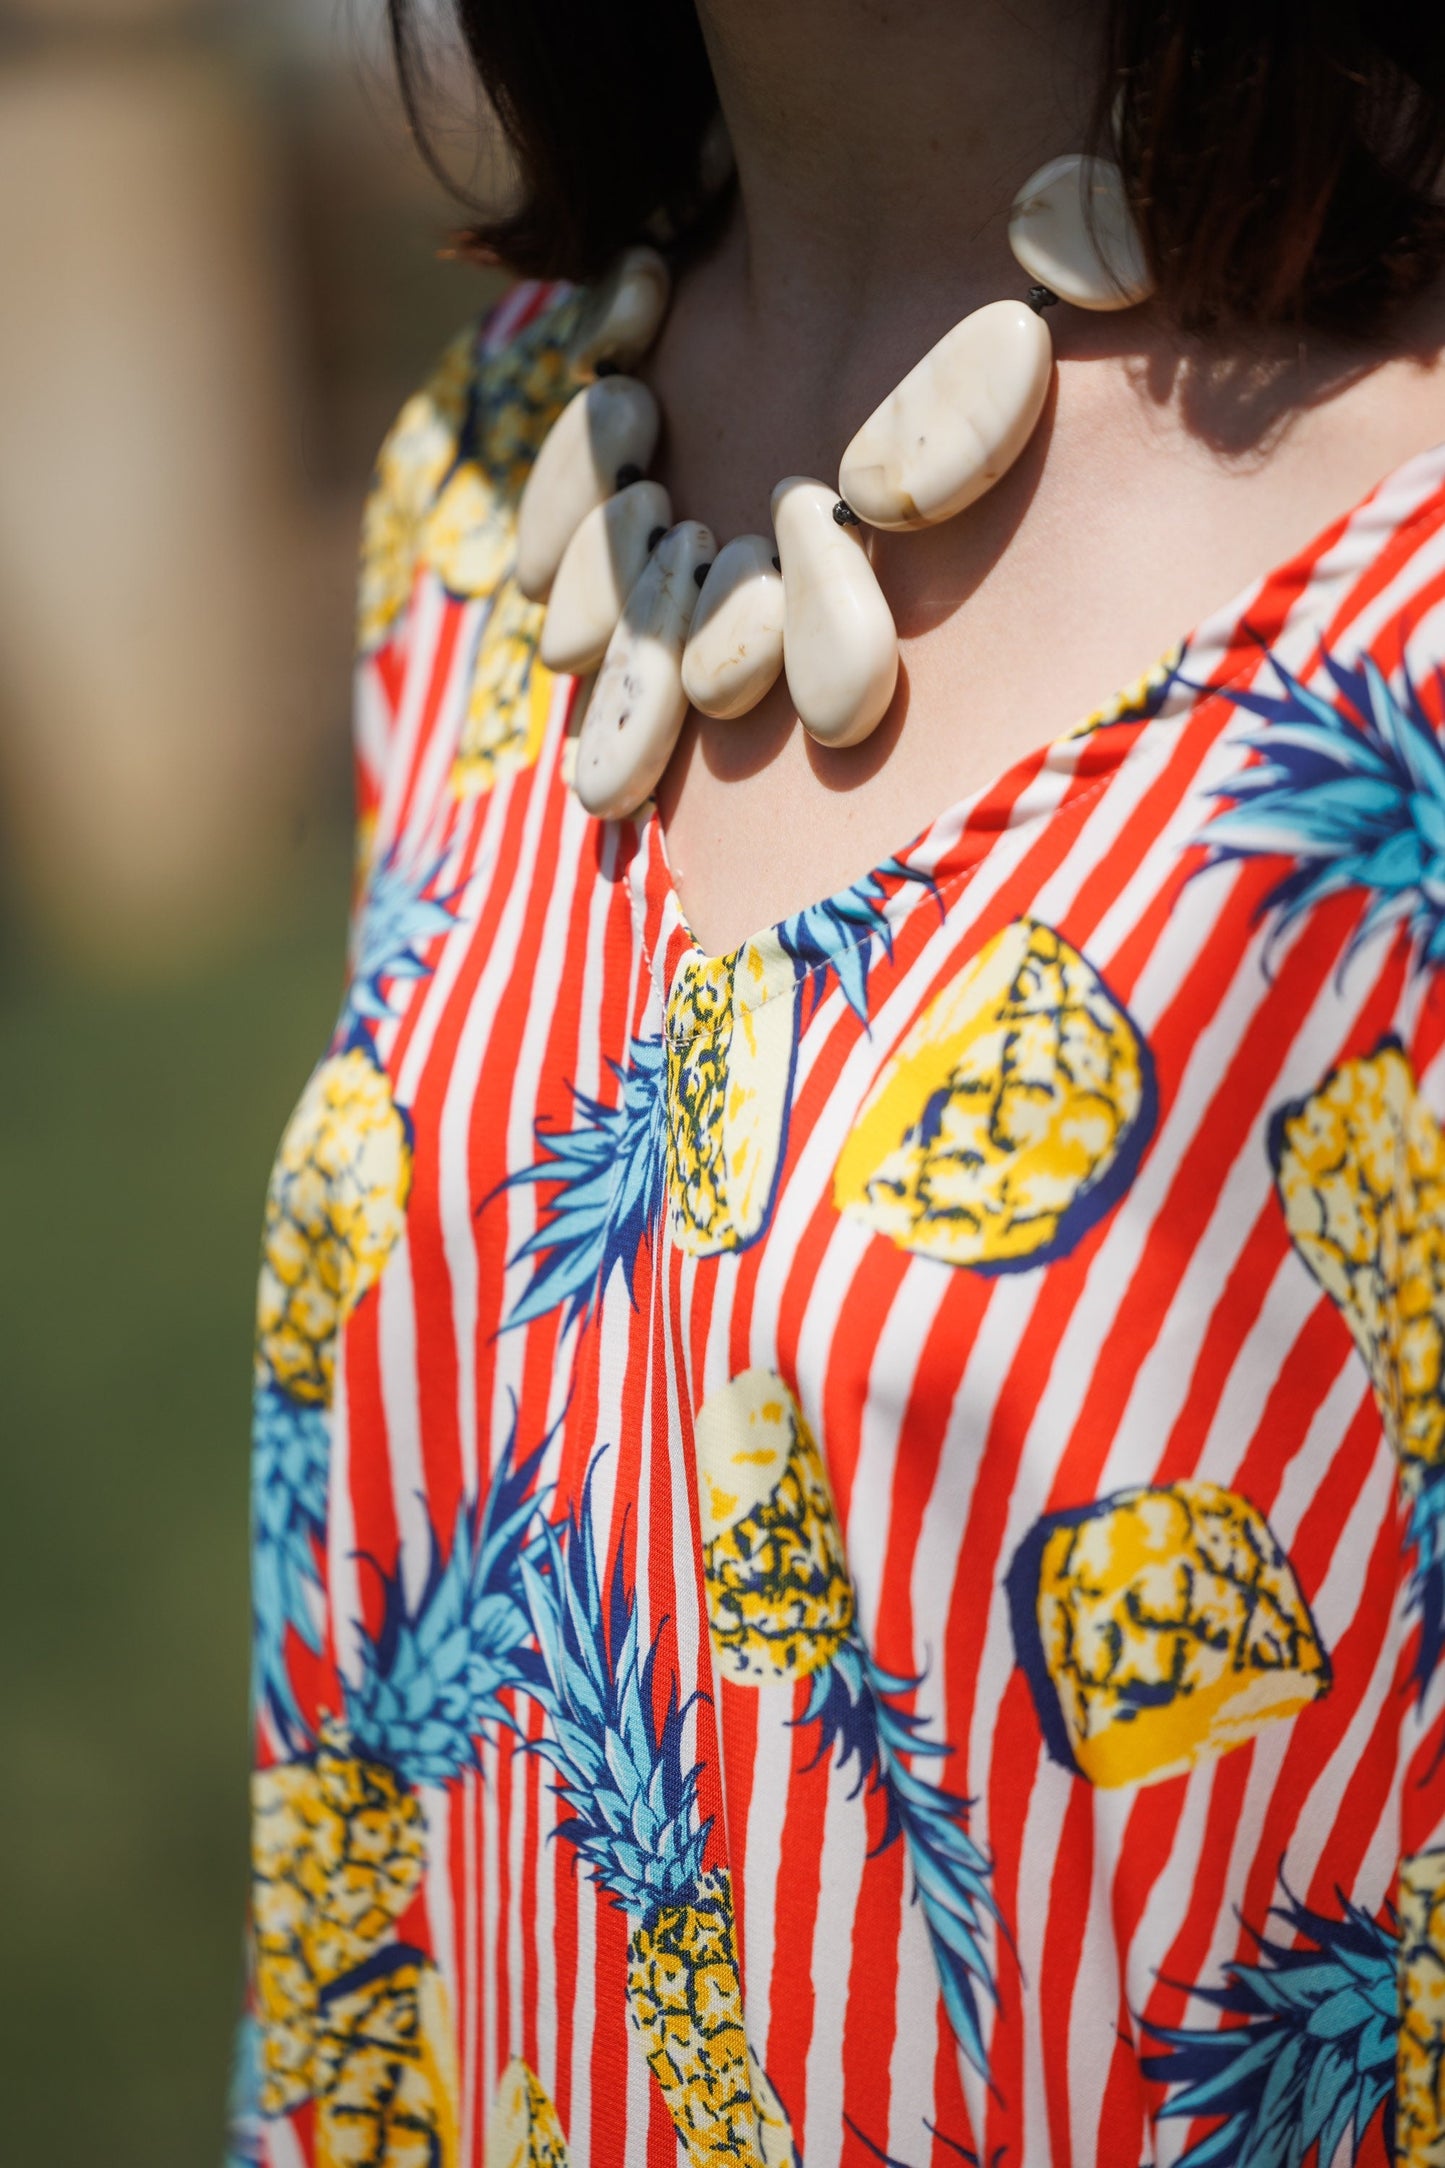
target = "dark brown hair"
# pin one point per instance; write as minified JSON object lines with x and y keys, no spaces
{"x":1284,"y":157}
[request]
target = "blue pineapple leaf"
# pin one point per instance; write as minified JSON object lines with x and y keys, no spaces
{"x":290,"y":1458}
{"x":859,"y":1709}
{"x":1313,"y":2053}
{"x":616,"y":1748}
{"x":400,"y":917}
{"x":610,"y":1176}
{"x":1425,"y":1589}
{"x":838,"y":934}
{"x":1352,"y":790}
{"x":440,"y":1675}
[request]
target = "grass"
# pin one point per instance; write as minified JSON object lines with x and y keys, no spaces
{"x":138,"y":1127}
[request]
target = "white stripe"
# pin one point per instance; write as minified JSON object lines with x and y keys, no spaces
{"x":283,"y":2147}
{"x":1049,"y":1801}
{"x":441,"y":1921}
{"x":487,"y":1815}
{"x":428,"y":614}
{"x":396,"y":1354}
{"x":916,"y":2021}
{"x":519,"y":1836}
{"x":844,"y":1854}
{"x":584,"y":2021}
{"x":342,"y":1566}
{"x":469,"y":1809}
{"x":762,"y":1852}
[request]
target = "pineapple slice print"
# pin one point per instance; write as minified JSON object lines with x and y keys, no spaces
{"x":1359,"y":1166}
{"x":731,"y":1036}
{"x":334,"y":1212}
{"x":1157,"y":1627}
{"x":1011,"y":1118}
{"x":389,"y":2096}
{"x":338,"y":1851}
{"x":510,"y":697}
{"x":523,"y":2131}
{"x":451,"y":472}
{"x":414,"y":460}
{"x":633,"y":1819}
{"x":1360,"y":1169}
{"x":347,"y":2016}
{"x":1420,"y":2062}
{"x":779,"y":1599}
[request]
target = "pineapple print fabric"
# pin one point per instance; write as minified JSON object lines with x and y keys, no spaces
{"x":849,"y":1538}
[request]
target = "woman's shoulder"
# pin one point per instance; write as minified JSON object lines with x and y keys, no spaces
{"x":450,"y":471}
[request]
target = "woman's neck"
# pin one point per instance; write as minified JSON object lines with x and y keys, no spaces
{"x":880,"y":142}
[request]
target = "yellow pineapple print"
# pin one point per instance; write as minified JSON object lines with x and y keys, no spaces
{"x":415,"y":458}
{"x":1420,"y":2054}
{"x":338,"y":1850}
{"x":335,"y":1209}
{"x":389,"y":2089}
{"x":1011,"y":1117}
{"x":730,"y":1044}
{"x":686,"y":2001}
{"x":1360,"y":1167}
{"x":1138,"y":701}
{"x":524,"y":2131}
{"x":510,"y":697}
{"x":1158,"y":1627}
{"x":779,"y":1598}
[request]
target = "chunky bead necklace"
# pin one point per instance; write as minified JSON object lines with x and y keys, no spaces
{"x":666,"y":619}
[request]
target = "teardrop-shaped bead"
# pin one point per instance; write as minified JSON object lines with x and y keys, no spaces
{"x":608,"y":428}
{"x":958,"y":420}
{"x":600,"y":567}
{"x":622,"y":316}
{"x":1071,"y":228}
{"x":638,"y":704}
{"x":735,"y":648}
{"x":840,"y":648}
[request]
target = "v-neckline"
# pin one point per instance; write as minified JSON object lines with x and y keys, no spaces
{"x":1117,"y":732}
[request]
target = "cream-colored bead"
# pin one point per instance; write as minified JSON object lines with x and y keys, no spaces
{"x":622,"y":316}
{"x":735,"y":648}
{"x":1071,"y":228}
{"x":840,"y":648}
{"x":638,"y":704}
{"x":610,"y":426}
{"x":958,"y":420}
{"x":600,"y":567}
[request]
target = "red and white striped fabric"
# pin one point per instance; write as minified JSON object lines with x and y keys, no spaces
{"x":848,"y":1540}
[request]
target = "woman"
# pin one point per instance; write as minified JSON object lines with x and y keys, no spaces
{"x":849,"y":1529}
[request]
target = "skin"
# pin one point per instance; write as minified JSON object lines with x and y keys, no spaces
{"x":878,"y":146}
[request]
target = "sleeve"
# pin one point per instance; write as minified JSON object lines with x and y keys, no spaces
{"x":1413,"y":1257}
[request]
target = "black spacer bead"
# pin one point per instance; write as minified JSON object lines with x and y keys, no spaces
{"x":700,"y":573}
{"x":627,"y":475}
{"x":845,"y":515}
{"x":606,"y":368}
{"x":1041,"y":298}
{"x":654,"y":538}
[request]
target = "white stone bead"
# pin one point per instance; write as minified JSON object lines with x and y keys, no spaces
{"x":622,"y":316}
{"x":957,"y":422}
{"x":600,"y":567}
{"x":611,"y":425}
{"x":735,"y":648}
{"x":840,"y":648}
{"x":638,"y":704}
{"x":1071,"y":228}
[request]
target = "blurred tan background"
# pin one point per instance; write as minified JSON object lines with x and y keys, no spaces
{"x":220,"y":273}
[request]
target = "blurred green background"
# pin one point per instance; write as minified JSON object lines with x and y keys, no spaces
{"x":223,"y":273}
